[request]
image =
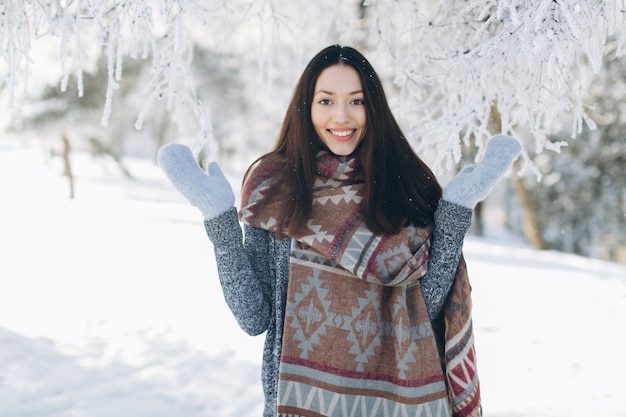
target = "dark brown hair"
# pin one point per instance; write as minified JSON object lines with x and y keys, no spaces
{"x":400,"y":189}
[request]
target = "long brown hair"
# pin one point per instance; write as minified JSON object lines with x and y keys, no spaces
{"x":400,"y":189}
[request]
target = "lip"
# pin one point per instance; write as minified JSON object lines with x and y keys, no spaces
{"x":342,"y":138}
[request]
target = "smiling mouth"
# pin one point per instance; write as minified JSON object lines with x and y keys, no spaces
{"x":342,"y":134}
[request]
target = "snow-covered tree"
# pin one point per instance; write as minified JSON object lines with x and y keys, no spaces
{"x":450,"y":63}
{"x":581,"y":202}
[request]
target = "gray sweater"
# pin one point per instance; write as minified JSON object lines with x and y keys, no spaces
{"x":254,"y":274}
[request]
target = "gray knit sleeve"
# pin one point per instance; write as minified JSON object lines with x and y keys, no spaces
{"x":452,"y":222}
{"x":243,"y":271}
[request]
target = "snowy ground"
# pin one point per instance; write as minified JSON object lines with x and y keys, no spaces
{"x":110,"y":306}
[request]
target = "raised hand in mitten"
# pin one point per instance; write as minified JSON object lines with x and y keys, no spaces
{"x":210,"y":192}
{"x":474,"y":183}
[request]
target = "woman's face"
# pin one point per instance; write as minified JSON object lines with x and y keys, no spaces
{"x":338,"y":109}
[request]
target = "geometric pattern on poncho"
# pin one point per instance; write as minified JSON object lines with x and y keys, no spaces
{"x":357,"y":339}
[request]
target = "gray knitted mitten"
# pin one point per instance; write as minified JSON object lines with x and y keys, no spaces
{"x":210,"y":192}
{"x":474,"y":183}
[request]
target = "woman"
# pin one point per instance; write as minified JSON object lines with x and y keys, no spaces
{"x":352,"y":255}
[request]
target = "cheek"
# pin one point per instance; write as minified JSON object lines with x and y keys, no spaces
{"x":361,"y":117}
{"x":315,"y":117}
{"x":319,"y":119}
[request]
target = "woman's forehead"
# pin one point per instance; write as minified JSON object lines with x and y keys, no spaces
{"x":339,"y":78}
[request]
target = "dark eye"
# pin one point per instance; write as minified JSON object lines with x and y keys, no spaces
{"x":358,"y":101}
{"x":324,"y":102}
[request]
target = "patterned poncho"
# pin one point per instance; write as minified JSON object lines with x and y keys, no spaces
{"x":357,"y":340}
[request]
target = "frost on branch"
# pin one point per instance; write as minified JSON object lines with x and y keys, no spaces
{"x":15,"y":40}
{"x":528,"y":61}
{"x":463,"y":70}
{"x":171,"y":81}
{"x":122,"y":29}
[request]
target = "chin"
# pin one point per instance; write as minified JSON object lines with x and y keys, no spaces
{"x":343,"y":149}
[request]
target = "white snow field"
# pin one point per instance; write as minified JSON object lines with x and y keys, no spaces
{"x":110,"y":306}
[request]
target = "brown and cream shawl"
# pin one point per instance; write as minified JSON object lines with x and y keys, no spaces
{"x":357,"y":340}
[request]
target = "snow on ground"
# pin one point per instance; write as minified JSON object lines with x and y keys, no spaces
{"x":110,"y":306}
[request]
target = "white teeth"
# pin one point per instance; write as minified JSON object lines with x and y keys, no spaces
{"x":342,"y":133}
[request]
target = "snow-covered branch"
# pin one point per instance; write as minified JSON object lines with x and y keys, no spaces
{"x":123,"y":29}
{"x":15,"y":41}
{"x":454,"y":64}
{"x":527,"y":60}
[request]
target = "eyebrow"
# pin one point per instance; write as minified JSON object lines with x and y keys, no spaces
{"x":352,"y":93}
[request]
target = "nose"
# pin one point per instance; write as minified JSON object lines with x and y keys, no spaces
{"x":342,"y":112}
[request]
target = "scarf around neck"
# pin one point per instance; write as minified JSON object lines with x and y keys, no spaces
{"x":357,"y":340}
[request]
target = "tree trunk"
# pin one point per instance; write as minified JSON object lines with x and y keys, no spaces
{"x":68,"y":166}
{"x":532,"y":231}
{"x":479,"y":224}
{"x":162,"y":134}
{"x":100,"y":149}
